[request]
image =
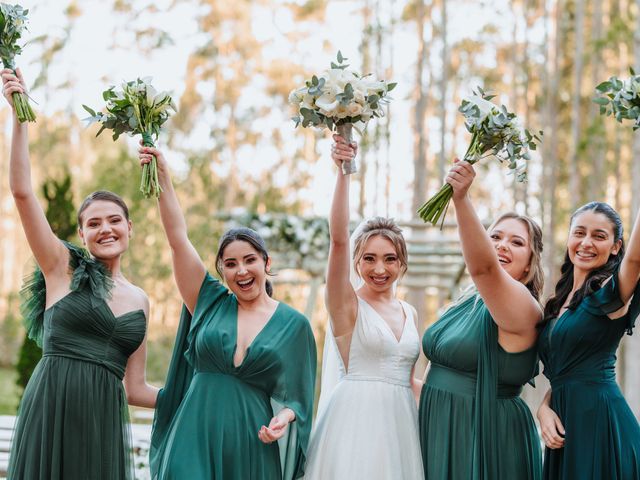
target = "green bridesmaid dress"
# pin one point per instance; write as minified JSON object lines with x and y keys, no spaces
{"x":578,"y":350}
{"x":73,"y":419}
{"x":473,"y":424}
{"x":209,"y":413}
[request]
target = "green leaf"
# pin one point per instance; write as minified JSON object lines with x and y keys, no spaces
{"x":91,"y":112}
{"x":339,"y":57}
{"x":391,"y":86}
{"x":601,"y":100}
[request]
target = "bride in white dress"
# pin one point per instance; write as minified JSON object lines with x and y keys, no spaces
{"x":367,"y":422}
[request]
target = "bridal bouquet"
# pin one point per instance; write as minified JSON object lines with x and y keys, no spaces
{"x":338,"y":99}
{"x":13,"y":19}
{"x":494,"y":132}
{"x":136,"y":109}
{"x":620,"y":98}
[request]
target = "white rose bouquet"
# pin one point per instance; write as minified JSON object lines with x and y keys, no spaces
{"x":338,"y":99}
{"x":136,"y":109}
{"x":494,"y":132}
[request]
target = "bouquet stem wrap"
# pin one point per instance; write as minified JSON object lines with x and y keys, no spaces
{"x":24,"y":112}
{"x":150,"y":184}
{"x":346,"y":131}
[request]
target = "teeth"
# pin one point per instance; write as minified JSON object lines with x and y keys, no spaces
{"x":244,"y":283}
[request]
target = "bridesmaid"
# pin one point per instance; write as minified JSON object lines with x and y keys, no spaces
{"x":589,"y":429}
{"x":473,"y":424}
{"x":367,"y":425}
{"x":90,"y":321}
{"x":239,"y":395}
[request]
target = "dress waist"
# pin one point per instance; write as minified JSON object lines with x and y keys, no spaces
{"x":111,"y":368}
{"x":464,"y":383}
{"x":354,"y":377}
{"x":594,"y":377}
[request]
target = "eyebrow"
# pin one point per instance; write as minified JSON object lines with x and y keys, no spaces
{"x":384,"y":254}
{"x":108,"y":216}
{"x":246,"y":256}
{"x":516,"y":236}
{"x":596,"y":230}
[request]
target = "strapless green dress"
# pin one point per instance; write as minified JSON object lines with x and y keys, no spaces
{"x":73,"y":419}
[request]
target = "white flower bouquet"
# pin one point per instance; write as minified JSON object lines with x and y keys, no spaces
{"x":338,"y":99}
{"x":13,"y":22}
{"x":136,"y":109}
{"x":494,"y":132}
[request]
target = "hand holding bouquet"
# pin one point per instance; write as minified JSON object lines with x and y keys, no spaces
{"x":338,"y":99}
{"x":620,"y":98}
{"x":13,"y":20}
{"x":494,"y":132}
{"x":136,"y":109}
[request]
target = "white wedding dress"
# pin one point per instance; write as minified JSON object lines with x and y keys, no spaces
{"x":367,"y":426}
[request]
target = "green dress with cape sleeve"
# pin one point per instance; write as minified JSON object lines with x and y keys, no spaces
{"x":209,"y":413}
{"x":473,"y":423}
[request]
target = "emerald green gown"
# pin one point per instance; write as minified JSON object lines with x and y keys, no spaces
{"x":209,"y":413}
{"x":473,"y":424}
{"x":578,"y":350}
{"x":73,"y":419}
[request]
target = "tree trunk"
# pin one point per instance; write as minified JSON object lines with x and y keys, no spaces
{"x":574,"y":169}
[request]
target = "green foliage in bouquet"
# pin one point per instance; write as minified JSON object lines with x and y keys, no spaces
{"x":13,"y":20}
{"x":494,"y":132}
{"x":620,"y":98}
{"x":136,"y":109}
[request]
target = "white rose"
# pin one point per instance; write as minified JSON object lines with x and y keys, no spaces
{"x":341,"y":111}
{"x":354,"y":109}
{"x":327,"y":102}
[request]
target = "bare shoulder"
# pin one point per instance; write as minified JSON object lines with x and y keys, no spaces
{"x":137,"y":297}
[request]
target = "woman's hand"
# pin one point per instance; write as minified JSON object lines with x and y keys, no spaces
{"x":12,"y":83}
{"x":341,"y":151}
{"x":551,"y":427}
{"x":460,"y":177}
{"x":277,"y":426}
{"x":146,"y":154}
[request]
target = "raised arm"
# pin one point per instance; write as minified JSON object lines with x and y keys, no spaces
{"x":188,"y":268}
{"x":630,"y":267}
{"x":340,"y":297}
{"x":49,"y":252}
{"x":512,"y":306}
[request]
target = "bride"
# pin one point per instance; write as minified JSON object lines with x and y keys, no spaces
{"x":367,"y":423}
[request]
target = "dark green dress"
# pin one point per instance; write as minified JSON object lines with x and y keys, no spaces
{"x":73,"y":419}
{"x":578,"y":350}
{"x":209,"y":413}
{"x":473,"y":424}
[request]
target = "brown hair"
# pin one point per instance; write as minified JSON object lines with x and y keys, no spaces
{"x":387,"y":228}
{"x":254,"y":239}
{"x":534,"y":280}
{"x":103,"y":195}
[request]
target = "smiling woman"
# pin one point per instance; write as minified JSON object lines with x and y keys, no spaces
{"x":482,"y":351}
{"x":240,"y":341}
{"x":596,"y":301}
{"x":91,"y":322}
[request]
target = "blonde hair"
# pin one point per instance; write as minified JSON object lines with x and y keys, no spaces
{"x":534,"y":280}
{"x":384,"y":227}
